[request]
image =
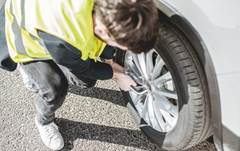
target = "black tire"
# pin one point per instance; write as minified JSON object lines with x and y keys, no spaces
{"x":193,"y":125}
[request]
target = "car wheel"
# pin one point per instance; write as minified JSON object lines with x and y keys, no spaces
{"x":170,"y":102}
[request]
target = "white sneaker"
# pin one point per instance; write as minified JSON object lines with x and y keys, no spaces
{"x":26,"y":79}
{"x":50,"y":135}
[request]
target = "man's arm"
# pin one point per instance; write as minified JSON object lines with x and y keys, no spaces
{"x":66,"y":55}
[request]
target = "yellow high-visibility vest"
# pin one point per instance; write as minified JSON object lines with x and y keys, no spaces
{"x":69,"y":20}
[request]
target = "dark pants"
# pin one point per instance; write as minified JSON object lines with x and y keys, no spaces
{"x":6,"y":62}
{"x":51,"y":80}
{"x":51,"y":85}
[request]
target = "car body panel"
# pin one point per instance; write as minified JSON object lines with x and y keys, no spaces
{"x":219,"y":29}
{"x":218,"y":37}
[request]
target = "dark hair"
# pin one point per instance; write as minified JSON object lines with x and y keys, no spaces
{"x":132,"y":23}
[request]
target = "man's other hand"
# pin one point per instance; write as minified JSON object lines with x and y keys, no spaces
{"x":123,"y":80}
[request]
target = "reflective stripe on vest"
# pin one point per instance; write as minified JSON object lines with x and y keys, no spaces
{"x":69,"y":20}
{"x":17,"y":31}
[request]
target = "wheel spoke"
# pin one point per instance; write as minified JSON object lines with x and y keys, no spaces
{"x":167,"y":106}
{"x":173,"y":111}
{"x":144,"y":113}
{"x":163,"y":78}
{"x":137,"y":63}
{"x":164,"y":103}
{"x":159,"y":116}
{"x":170,"y":121}
{"x":138,"y":101}
{"x":137,"y":98}
{"x":166,"y":117}
{"x":132,"y":69}
{"x":149,"y":61}
{"x":143,"y":64}
{"x":151,"y":114}
{"x":131,"y":65}
{"x":158,"y":67}
{"x":137,"y":79}
{"x":167,"y":93}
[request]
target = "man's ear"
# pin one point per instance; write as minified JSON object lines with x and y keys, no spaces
{"x":99,"y":31}
{"x":99,"y":28}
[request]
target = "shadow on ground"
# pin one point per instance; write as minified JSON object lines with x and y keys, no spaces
{"x":109,"y":95}
{"x":72,"y":130}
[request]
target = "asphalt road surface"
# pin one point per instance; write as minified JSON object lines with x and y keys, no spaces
{"x":90,"y":120}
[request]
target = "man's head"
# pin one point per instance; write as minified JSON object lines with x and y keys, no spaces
{"x":127,"y":24}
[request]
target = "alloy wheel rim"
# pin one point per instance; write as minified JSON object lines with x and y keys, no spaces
{"x":155,"y":97}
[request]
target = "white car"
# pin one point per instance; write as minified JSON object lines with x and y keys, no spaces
{"x":189,"y":85}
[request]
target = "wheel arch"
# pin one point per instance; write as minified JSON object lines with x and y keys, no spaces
{"x":171,"y":15}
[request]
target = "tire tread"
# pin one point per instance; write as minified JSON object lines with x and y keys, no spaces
{"x":190,"y":66}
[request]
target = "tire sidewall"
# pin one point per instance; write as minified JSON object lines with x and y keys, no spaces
{"x":172,"y":140}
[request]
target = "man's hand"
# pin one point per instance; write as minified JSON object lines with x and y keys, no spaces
{"x":124,"y":81}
